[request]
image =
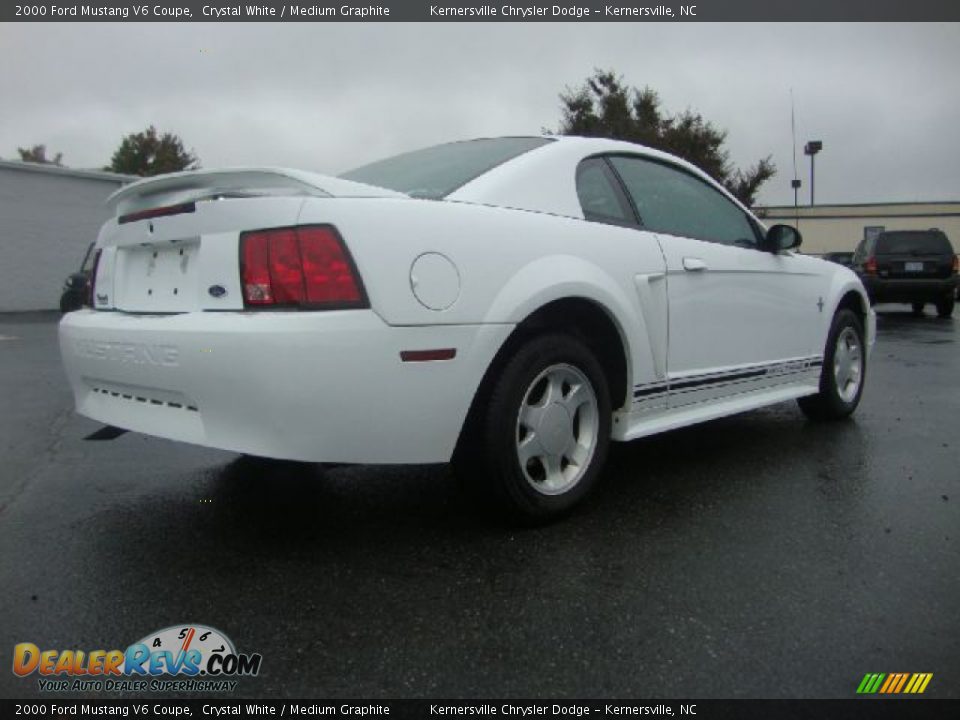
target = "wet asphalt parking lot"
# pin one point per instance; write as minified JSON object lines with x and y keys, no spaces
{"x":755,"y":556}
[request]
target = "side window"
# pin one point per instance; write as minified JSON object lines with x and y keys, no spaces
{"x":675,"y":202}
{"x":600,"y":196}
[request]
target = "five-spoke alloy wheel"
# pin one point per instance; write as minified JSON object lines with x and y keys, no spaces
{"x":557,"y":429}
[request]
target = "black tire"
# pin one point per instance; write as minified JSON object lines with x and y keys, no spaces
{"x":945,"y":307}
{"x":829,"y":403}
{"x":489,"y":459}
{"x":918,"y":309}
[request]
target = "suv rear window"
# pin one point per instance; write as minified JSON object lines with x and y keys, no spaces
{"x":913,"y":242}
{"x":437,"y":171}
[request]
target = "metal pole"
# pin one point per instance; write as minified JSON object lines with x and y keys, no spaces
{"x":813,"y":158}
{"x":811,"y":149}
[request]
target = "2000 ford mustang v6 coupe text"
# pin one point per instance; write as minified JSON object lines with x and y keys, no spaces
{"x":512,"y":304}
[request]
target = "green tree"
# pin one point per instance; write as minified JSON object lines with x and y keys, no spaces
{"x":604,"y":107}
{"x":148,"y":153}
{"x":38,"y":154}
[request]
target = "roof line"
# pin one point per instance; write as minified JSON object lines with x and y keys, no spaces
{"x":888,"y":203}
{"x":862,"y":216}
{"x":65,"y":171}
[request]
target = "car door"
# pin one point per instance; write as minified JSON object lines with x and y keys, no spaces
{"x":739,"y":317}
{"x":603,"y":200}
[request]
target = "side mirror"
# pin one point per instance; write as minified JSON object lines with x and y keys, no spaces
{"x":782,"y":237}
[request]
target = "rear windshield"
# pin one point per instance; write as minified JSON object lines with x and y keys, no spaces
{"x":913,"y":242}
{"x":437,"y":171}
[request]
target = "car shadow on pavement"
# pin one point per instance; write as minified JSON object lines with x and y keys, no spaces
{"x":267,"y":516}
{"x":295,"y":496}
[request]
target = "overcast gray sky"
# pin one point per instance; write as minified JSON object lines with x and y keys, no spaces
{"x":883,"y":98}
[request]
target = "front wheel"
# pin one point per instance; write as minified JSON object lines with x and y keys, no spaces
{"x":844,"y":370}
{"x":543,"y":436}
{"x":917,"y":309}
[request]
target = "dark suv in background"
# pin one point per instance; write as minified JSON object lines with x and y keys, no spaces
{"x":909,"y":266}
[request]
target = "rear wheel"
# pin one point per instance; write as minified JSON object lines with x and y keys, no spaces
{"x":542,"y":438}
{"x":945,"y":306}
{"x":918,"y":309}
{"x":843,"y":373}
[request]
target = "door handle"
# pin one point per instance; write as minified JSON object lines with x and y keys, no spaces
{"x":694,"y":264}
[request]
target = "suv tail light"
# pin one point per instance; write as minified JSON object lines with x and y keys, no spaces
{"x":870,"y":266}
{"x":92,"y":282}
{"x":306,"y":266}
{"x":956,"y":265}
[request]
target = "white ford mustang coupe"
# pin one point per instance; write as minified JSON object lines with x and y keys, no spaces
{"x":512,"y":304}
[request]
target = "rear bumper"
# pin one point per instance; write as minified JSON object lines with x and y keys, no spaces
{"x":319,"y":387}
{"x":908,"y":290}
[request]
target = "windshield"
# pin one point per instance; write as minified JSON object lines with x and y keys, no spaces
{"x":437,"y":171}
{"x":917,"y":242}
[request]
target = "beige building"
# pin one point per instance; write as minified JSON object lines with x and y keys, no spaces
{"x":833,"y":228}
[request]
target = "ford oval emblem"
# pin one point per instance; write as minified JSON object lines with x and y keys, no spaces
{"x":217,"y":291}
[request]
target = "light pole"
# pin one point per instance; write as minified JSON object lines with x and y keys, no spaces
{"x":811,"y":149}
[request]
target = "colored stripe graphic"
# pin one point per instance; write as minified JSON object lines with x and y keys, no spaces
{"x":894,"y":683}
{"x":918,"y":683}
{"x":903,"y":679}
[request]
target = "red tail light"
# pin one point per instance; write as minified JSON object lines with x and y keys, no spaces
{"x":956,"y":265}
{"x":870,"y":266}
{"x":92,"y":282}
{"x":305,"y":266}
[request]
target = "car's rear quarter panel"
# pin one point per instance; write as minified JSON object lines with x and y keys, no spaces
{"x":510,"y":263}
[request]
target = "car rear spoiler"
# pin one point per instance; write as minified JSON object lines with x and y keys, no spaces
{"x":193,"y":185}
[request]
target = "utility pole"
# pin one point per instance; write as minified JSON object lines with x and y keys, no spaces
{"x":795,"y":183}
{"x":811,"y":149}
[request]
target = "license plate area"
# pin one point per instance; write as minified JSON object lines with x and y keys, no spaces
{"x":158,"y":278}
{"x":913,"y":267}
